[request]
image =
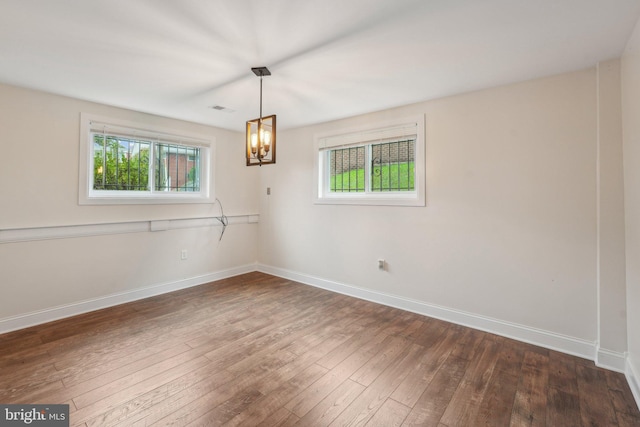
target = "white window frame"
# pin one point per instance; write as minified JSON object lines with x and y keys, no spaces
{"x":367,"y":136}
{"x":88,"y":196}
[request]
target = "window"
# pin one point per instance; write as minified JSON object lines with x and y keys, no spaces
{"x":372,"y":166}
{"x":122,"y":163}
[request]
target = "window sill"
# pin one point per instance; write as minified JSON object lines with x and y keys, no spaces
{"x":372,"y":200}
{"x":146,"y":200}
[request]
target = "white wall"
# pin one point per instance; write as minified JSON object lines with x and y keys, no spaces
{"x":631,"y":137}
{"x":509,"y":230}
{"x":39,"y":146}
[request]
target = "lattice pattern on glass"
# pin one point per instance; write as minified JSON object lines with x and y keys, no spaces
{"x":177,"y":168}
{"x":347,"y":170}
{"x":392,"y":166}
{"x":120,"y":163}
{"x":123,"y":164}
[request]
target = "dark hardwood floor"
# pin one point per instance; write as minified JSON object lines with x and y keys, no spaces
{"x":260,"y":350}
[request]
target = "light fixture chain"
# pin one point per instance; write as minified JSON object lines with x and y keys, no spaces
{"x":261,"y":99}
{"x":260,"y":126}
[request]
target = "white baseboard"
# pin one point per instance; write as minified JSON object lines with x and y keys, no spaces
{"x":566,"y":344}
{"x":633,"y":379}
{"x":43,"y":316}
{"x":612,"y":360}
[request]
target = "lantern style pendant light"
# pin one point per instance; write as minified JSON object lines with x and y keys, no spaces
{"x":261,"y":132}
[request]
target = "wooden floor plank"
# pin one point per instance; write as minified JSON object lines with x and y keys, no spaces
{"x":410,"y":390}
{"x":310,"y":397}
{"x":261,"y":350}
{"x":390,"y":414}
{"x":562,"y":372}
{"x":110,"y":397}
{"x":14,"y":342}
{"x":333,"y":404}
{"x":596,"y":406}
{"x":563,"y":408}
{"x":364,"y":407}
{"x":431,"y":331}
{"x":530,"y":405}
{"x":435,"y":399}
{"x":467,"y":344}
{"x":511,"y":355}
{"x":112,"y":369}
{"x":231,"y":407}
{"x":628,"y":420}
{"x":497,"y":403}
{"x":276,"y":397}
{"x":620,"y":394}
{"x":164,"y":400}
{"x":202,"y":404}
{"x":160,"y":397}
{"x":465,"y":403}
{"x":281,"y":418}
{"x":188,"y":359}
{"x":378,"y":363}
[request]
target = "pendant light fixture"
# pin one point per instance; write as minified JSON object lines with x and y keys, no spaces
{"x":261,"y":132}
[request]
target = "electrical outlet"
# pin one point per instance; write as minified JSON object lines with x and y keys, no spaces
{"x":268,"y":191}
{"x":382,"y":264}
{"x":184,"y":254}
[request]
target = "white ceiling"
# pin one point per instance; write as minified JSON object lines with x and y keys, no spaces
{"x":329,"y":58}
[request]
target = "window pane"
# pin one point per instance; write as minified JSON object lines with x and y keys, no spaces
{"x":120,"y":163}
{"x":393,"y":166}
{"x":393,"y":171}
{"x":177,"y":168}
{"x":347,"y":168}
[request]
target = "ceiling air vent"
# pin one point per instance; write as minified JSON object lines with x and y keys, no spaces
{"x":222,"y":108}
